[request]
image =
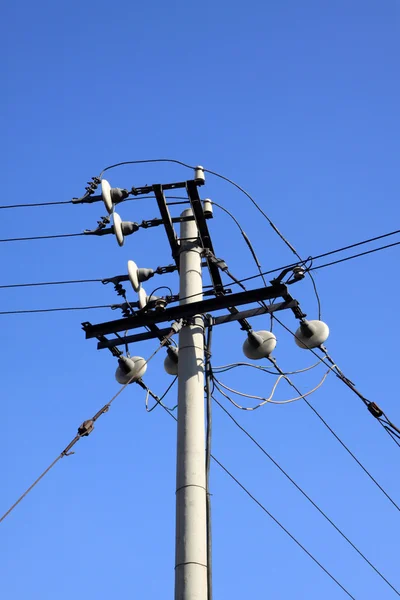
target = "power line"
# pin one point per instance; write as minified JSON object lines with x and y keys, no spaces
{"x":46,"y":310}
{"x":335,"y":435}
{"x":281,"y":526}
{"x":84,"y":430}
{"x":15,"y":285}
{"x":303,"y":492}
{"x":36,"y":204}
{"x":273,"y":518}
{"x":336,"y":262}
{"x":42,"y":237}
{"x":391,"y":429}
{"x":140,"y":162}
{"x":19,"y":285}
{"x":312,"y":258}
{"x":274,"y":227}
{"x":368,"y":241}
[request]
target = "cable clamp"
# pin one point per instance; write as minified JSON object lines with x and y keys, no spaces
{"x":86,"y":428}
{"x":375,"y":410}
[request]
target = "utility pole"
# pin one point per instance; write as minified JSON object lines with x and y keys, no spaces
{"x":188,"y":250}
{"x":191,"y":530}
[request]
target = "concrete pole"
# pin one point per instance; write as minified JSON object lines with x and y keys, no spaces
{"x":191,"y":532}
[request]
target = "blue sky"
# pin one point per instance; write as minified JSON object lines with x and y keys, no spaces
{"x":297,"y":102}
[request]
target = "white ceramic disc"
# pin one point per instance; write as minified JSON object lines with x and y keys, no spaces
{"x":142,"y":297}
{"x":133,"y":275}
{"x":118,"y":229}
{"x":106,"y":195}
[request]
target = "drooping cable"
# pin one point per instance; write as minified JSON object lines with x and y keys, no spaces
{"x":292,"y":537}
{"x":208,"y":381}
{"x":269,"y":399}
{"x":245,"y":237}
{"x":84,"y":430}
{"x":274,"y":227}
{"x":140,"y":162}
{"x":158,"y":399}
{"x":264,"y":369}
{"x":297,"y":486}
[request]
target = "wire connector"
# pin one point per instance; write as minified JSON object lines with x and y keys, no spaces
{"x":375,"y":410}
{"x":86,"y":428}
{"x":177,"y":326}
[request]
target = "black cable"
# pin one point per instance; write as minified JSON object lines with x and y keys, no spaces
{"x":140,"y":162}
{"x":368,"y":241}
{"x":330,"y":263}
{"x":274,"y":227}
{"x":303,"y":492}
{"x":208,"y":379}
{"x":272,"y":517}
{"x":36,"y":204}
{"x":373,"y":408}
{"x":235,"y":282}
{"x":245,"y":237}
{"x":335,"y":262}
{"x":18,"y":285}
{"x":45,"y":310}
{"x":335,"y":434}
{"x":161,"y":398}
{"x":42,"y":237}
{"x":281,"y":526}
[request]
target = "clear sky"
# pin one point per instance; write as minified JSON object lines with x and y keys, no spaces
{"x":296,"y":101}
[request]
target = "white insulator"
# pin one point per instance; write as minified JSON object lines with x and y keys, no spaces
{"x":171,"y":365}
{"x":311,"y":334}
{"x":133,"y":275}
{"x":132,"y":368}
{"x":118,"y":229}
{"x":106,"y":195}
{"x":142,"y":297}
{"x":266,"y":341}
{"x":199,"y":175}
{"x":208,"y":208}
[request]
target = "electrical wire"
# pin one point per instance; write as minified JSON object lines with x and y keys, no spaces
{"x":391,"y":429}
{"x":42,"y":237}
{"x":297,"y":486}
{"x":335,"y":435}
{"x":140,"y":162}
{"x":224,"y":368}
{"x":274,"y":227}
{"x":245,"y":237}
{"x":269,"y":400}
{"x":234,"y":282}
{"x":336,"y":262}
{"x":282,"y":527}
{"x":18,"y":285}
{"x":36,"y":204}
{"x":275,"y":520}
{"x":159,"y":399}
{"x":312,"y":258}
{"x":48,"y":310}
{"x":84,"y":430}
{"x":208,"y":382}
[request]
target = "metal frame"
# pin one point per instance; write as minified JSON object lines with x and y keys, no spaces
{"x":143,"y":319}
{"x":220,"y":320}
